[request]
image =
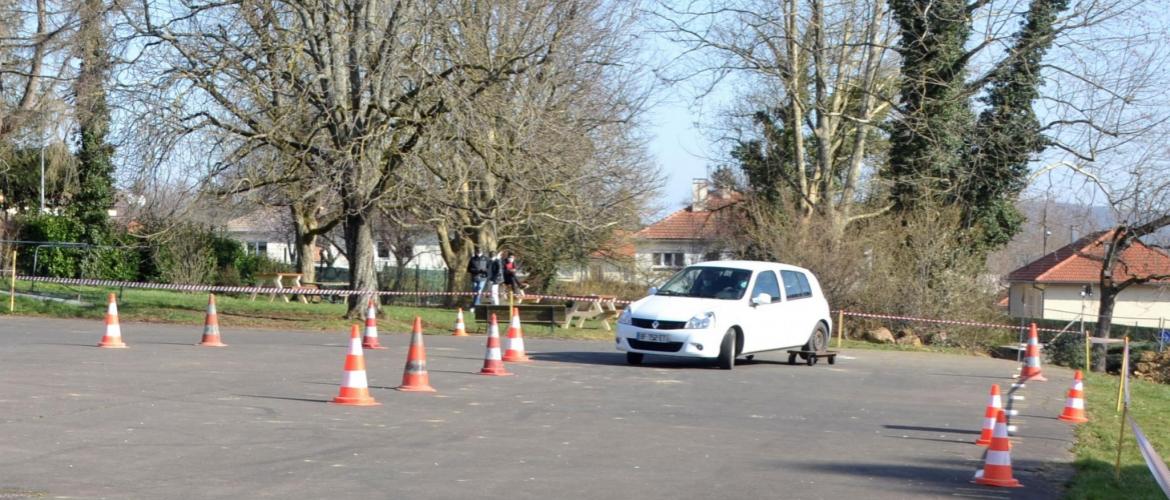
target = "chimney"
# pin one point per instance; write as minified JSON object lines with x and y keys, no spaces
{"x":698,"y":195}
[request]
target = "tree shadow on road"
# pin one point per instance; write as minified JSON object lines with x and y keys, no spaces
{"x":942,"y":478}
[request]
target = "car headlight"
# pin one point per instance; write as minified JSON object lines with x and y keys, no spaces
{"x":701,"y":321}
{"x":625,"y":318}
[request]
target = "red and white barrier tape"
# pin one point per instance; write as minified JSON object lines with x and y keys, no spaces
{"x":344,"y":293}
{"x":943,"y":321}
{"x":271,"y":290}
{"x":1153,"y":460}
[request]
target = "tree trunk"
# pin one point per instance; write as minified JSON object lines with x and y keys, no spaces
{"x":1104,"y":325}
{"x":305,"y":234}
{"x":359,"y":249}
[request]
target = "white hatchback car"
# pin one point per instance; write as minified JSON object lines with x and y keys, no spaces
{"x":707,"y":311}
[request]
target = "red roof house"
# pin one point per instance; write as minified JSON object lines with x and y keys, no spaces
{"x":1064,"y":284}
{"x":693,"y":234}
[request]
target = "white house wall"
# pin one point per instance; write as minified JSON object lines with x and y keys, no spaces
{"x":1136,"y":306}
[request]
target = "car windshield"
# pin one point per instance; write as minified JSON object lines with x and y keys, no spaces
{"x":723,"y":283}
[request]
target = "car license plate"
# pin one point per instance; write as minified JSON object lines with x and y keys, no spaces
{"x":653,"y":337}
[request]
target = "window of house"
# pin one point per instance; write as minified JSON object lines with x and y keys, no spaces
{"x":796,"y":285}
{"x":766,"y":283}
{"x":258,"y":247}
{"x":710,"y":256}
{"x":383,"y":250}
{"x":670,"y":259}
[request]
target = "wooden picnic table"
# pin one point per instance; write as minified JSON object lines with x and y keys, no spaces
{"x":601,"y":307}
{"x":291,"y":281}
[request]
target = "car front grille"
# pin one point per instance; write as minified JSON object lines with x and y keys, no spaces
{"x":662,"y":325}
{"x":655,"y":346}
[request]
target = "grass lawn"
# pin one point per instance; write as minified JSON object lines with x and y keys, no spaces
{"x":1096,"y":448}
{"x":162,"y":306}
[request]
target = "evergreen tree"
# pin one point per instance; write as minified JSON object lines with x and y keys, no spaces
{"x":928,"y":142}
{"x":95,"y":171}
{"x":1008,"y":134}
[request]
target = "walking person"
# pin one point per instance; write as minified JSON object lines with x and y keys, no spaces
{"x":510,"y":279}
{"x":477,"y":267}
{"x":496,"y":276}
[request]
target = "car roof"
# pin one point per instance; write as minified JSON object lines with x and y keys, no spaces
{"x":754,"y":265}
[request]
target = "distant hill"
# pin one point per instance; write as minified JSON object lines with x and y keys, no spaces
{"x":1065,"y":222}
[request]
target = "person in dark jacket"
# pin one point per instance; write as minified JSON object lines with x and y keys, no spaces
{"x":496,"y":276}
{"x":477,"y":267}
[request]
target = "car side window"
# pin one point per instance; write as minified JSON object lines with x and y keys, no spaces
{"x":795,"y":285}
{"x":766,"y":283}
{"x":805,"y":289}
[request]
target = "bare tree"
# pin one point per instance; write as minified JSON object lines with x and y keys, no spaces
{"x":820,"y":78}
{"x":548,"y":152}
{"x":371,"y":77}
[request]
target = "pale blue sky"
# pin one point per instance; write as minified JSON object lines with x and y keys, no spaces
{"x":679,"y":148}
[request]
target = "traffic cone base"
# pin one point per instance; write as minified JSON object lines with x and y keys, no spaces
{"x":1074,"y":405}
{"x":112,"y":338}
{"x":460,"y":327}
{"x":1031,"y":370}
{"x":211,"y":326}
{"x":355,"y":390}
{"x":415,"y":377}
{"x":370,"y":337}
{"x":997,"y":464}
{"x":515,"y":342}
{"x":493,"y":363}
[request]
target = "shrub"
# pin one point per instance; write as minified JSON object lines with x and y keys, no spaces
{"x":59,"y":262}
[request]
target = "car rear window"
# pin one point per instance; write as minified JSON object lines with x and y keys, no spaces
{"x":796,"y":285}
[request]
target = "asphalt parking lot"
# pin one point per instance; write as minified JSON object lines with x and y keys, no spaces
{"x":166,"y":419}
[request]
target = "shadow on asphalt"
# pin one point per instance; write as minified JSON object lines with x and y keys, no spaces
{"x":937,"y":440}
{"x":946,"y":430}
{"x":304,"y":400}
{"x":971,"y":376}
{"x":65,"y":343}
{"x":944,"y":478}
{"x":619,"y":359}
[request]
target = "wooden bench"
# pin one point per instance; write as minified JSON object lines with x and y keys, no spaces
{"x":539,"y":314}
{"x":602,"y":308}
{"x":278,"y":280}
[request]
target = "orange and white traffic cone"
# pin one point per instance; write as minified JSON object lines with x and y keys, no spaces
{"x":355,"y":390}
{"x":997,"y":464}
{"x":1074,"y":406}
{"x":211,"y":325}
{"x":460,"y":328}
{"x":492,"y":363}
{"x":415,"y":377}
{"x":994,"y":406}
{"x":370,"y":340}
{"x":1031,"y":369}
{"x":514,"y":351}
{"x":113,"y":335}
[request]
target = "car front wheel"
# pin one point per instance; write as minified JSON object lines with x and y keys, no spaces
{"x":727,"y":350}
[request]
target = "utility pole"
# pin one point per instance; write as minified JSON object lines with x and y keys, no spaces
{"x":42,"y":178}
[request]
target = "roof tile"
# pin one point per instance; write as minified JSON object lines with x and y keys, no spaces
{"x":1081,"y":260}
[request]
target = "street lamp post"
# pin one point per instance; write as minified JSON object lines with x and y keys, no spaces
{"x":42,"y":178}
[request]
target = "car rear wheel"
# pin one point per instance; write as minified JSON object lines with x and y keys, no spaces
{"x":634,"y":358}
{"x":817,"y":342}
{"x":727,"y":350}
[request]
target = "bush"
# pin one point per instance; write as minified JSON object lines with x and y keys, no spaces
{"x":48,"y":261}
{"x":185,"y":255}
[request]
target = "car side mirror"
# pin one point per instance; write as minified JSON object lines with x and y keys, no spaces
{"x":653,"y":290}
{"x":762,"y":298}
